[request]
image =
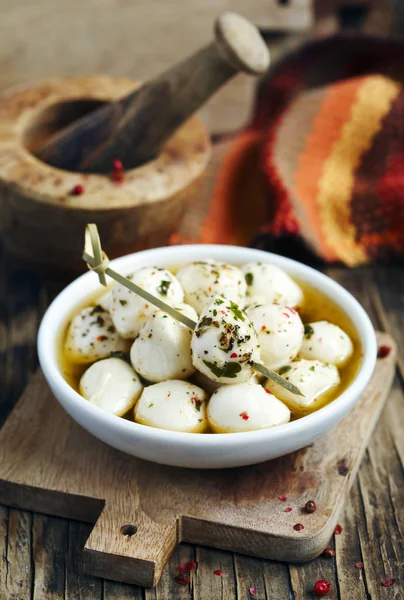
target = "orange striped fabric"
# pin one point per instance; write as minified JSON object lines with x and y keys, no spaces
{"x":350,"y":115}
{"x":319,"y":143}
{"x":327,"y":168}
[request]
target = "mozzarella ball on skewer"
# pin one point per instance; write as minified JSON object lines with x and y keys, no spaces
{"x":245,"y":407}
{"x":316,"y":380}
{"x":326,"y":342}
{"x":162,"y":349}
{"x":111,"y":384}
{"x":268,"y":283}
{"x":174,"y":405}
{"x":203,"y":280}
{"x":92,"y":335}
{"x":224,"y":342}
{"x":130,"y":311}
{"x":280,"y":333}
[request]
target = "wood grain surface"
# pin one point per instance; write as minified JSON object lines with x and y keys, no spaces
{"x":39,"y":555}
{"x":49,"y":464}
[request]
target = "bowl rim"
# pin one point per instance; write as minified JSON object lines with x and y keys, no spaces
{"x":55,"y":318}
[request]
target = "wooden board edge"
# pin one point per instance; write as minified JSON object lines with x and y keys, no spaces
{"x":256,"y":543}
{"x":119,"y":568}
{"x":126,"y":567}
{"x":50,"y":502}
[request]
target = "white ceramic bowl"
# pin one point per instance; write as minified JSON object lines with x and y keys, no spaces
{"x":187,"y":449}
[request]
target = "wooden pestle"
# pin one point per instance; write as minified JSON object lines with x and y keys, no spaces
{"x":134,"y":128}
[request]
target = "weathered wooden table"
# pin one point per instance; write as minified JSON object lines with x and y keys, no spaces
{"x":39,"y":555}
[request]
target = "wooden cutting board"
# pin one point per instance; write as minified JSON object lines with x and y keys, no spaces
{"x":142,"y":510}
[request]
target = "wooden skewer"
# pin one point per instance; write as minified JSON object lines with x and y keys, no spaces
{"x":134,"y":128}
{"x":98,"y":262}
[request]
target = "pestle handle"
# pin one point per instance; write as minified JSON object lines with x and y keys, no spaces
{"x":134,"y":128}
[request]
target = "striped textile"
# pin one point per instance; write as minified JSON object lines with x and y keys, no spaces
{"x":322,"y":160}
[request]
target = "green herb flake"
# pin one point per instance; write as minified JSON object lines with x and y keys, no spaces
{"x":150,"y":405}
{"x":308,"y":331}
{"x":205,"y":321}
{"x":98,"y":321}
{"x":97,"y":309}
{"x":123,"y":302}
{"x":198,"y":403}
{"x":229,"y":369}
{"x":284,"y":369}
{"x":163,"y":287}
{"x":237,"y":312}
{"x":249,"y":277}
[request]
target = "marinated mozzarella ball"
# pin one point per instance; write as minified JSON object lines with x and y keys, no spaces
{"x":203,"y":280}
{"x":316,"y":380}
{"x":91,"y":336}
{"x":111,"y":384}
{"x":280,"y":333}
{"x":268,"y":284}
{"x":130,"y":311}
{"x":174,"y":405}
{"x":162,"y":349}
{"x":224,"y":342}
{"x":326,"y":342}
{"x":245,"y":407}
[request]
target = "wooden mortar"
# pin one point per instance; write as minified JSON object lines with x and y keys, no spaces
{"x":42,"y":221}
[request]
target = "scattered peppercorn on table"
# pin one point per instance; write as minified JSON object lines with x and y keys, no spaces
{"x":39,"y":555}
